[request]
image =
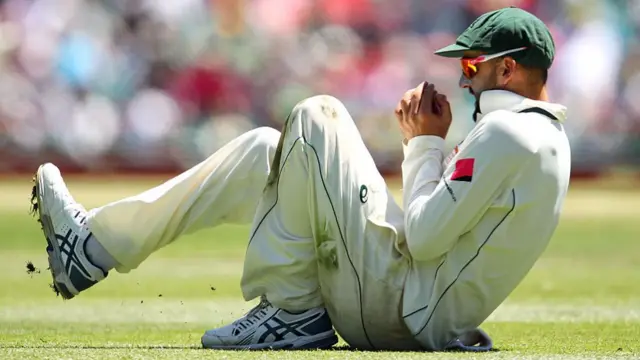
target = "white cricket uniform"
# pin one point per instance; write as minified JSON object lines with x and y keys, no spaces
{"x":327,"y":232}
{"x":476,"y":227}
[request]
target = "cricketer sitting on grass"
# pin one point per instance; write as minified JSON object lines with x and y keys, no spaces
{"x":329,"y":248}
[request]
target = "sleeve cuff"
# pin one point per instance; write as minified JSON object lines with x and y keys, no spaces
{"x":423,"y":143}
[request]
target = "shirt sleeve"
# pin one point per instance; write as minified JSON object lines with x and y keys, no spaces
{"x":441,"y":204}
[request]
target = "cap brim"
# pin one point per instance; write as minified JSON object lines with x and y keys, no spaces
{"x":452,"y":51}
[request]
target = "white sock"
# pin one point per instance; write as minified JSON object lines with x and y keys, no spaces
{"x":97,"y":254}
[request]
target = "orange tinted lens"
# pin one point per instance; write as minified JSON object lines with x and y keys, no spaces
{"x":468,"y":69}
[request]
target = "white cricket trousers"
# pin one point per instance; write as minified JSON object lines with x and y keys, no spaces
{"x":325,"y":227}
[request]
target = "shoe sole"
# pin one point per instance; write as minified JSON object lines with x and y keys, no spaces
{"x":56,"y":266}
{"x":316,"y":342}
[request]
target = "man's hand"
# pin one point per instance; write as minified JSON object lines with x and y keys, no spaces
{"x":422,"y":111}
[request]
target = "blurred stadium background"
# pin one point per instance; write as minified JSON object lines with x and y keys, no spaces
{"x":150,"y":86}
{"x":108,"y":88}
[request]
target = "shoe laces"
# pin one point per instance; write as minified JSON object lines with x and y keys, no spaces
{"x":78,"y":213}
{"x":72,"y":207}
{"x":82,"y":215}
{"x":253,"y":316}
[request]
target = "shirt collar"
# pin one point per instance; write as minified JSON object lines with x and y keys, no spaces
{"x":492,"y":100}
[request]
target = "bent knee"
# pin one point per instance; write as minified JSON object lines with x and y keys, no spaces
{"x":320,"y":107}
{"x":264,"y":137}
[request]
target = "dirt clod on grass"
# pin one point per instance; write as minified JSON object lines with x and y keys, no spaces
{"x":32,"y":269}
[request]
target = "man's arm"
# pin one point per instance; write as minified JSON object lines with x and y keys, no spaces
{"x":439,"y":207}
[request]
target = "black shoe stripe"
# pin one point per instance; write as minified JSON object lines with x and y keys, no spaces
{"x":67,"y":245}
{"x":287,"y":328}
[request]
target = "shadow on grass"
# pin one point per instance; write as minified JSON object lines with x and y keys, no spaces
{"x":103,"y":347}
{"x":158,"y":347}
{"x":346,"y":348}
{"x":195,"y":347}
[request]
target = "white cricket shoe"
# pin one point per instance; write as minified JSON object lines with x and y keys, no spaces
{"x":64,"y":225}
{"x":267,"y":327}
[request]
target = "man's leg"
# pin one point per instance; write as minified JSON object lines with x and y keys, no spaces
{"x":325,"y":235}
{"x":225,"y":188}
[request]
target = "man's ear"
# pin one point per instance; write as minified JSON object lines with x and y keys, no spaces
{"x":507,"y":69}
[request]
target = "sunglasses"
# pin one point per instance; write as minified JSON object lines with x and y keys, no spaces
{"x":469,"y":68}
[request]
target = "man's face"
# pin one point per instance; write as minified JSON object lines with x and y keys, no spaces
{"x":486,"y":77}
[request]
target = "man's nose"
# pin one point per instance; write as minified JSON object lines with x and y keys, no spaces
{"x":464,"y":83}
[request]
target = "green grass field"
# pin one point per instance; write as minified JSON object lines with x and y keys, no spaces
{"x":582,"y":300}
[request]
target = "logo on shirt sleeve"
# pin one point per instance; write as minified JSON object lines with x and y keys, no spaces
{"x":463,"y":171}
{"x":453,"y":153}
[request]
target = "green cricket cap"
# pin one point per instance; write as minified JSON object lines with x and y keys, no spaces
{"x":506,"y":29}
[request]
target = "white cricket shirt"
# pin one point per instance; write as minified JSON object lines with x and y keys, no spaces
{"x":476,"y":225}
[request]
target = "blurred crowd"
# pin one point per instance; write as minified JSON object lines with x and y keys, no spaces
{"x":158,"y":85}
